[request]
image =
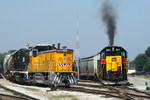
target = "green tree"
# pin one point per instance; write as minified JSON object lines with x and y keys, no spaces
{"x":140,"y":61}
{"x":11,"y":51}
{"x":147,"y":52}
{"x":132,"y":64}
{"x":147,"y":66}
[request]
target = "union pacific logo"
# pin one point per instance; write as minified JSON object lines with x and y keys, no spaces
{"x":64,"y":59}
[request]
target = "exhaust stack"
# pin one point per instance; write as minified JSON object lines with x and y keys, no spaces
{"x":58,"y":46}
{"x":53,"y":47}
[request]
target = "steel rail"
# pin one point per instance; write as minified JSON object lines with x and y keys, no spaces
{"x":20,"y":95}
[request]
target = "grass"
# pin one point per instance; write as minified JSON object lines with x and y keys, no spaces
{"x":74,"y":98}
{"x":66,"y":96}
{"x":31,"y":89}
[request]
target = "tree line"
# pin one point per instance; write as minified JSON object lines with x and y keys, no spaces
{"x":142,"y":61}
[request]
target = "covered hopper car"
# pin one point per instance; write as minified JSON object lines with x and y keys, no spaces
{"x":109,"y":66}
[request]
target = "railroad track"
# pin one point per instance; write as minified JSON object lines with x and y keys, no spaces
{"x":122,"y":92}
{"x":81,"y":89}
{"x":132,"y":94}
{"x":16,"y":95}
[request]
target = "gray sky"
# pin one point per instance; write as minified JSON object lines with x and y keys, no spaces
{"x":53,"y":21}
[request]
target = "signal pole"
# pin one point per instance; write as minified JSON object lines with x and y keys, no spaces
{"x":77,"y":50}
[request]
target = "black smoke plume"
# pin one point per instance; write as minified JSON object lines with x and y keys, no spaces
{"x":109,"y":19}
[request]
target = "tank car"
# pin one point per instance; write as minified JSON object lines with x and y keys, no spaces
{"x":7,"y":66}
{"x":108,"y":66}
{"x":43,"y":64}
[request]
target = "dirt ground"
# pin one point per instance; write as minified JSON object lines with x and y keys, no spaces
{"x":42,"y":94}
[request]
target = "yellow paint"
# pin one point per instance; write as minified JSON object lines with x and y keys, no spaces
{"x":113,"y":62}
{"x":51,"y":61}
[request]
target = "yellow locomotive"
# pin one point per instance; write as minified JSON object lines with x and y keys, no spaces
{"x":43,"y":64}
{"x":109,"y":66}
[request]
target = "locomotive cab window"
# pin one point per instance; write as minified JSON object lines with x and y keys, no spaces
{"x":123,"y":54}
{"x":34,"y":53}
{"x":103,"y":55}
{"x":114,"y":53}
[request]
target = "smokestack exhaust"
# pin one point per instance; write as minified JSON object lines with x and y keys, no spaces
{"x":53,"y":47}
{"x":109,"y":17}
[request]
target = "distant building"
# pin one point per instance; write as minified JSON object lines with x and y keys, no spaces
{"x":131,"y":70}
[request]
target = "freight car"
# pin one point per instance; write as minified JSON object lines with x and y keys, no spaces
{"x":43,"y":64}
{"x":109,"y":66}
{"x":7,"y":65}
